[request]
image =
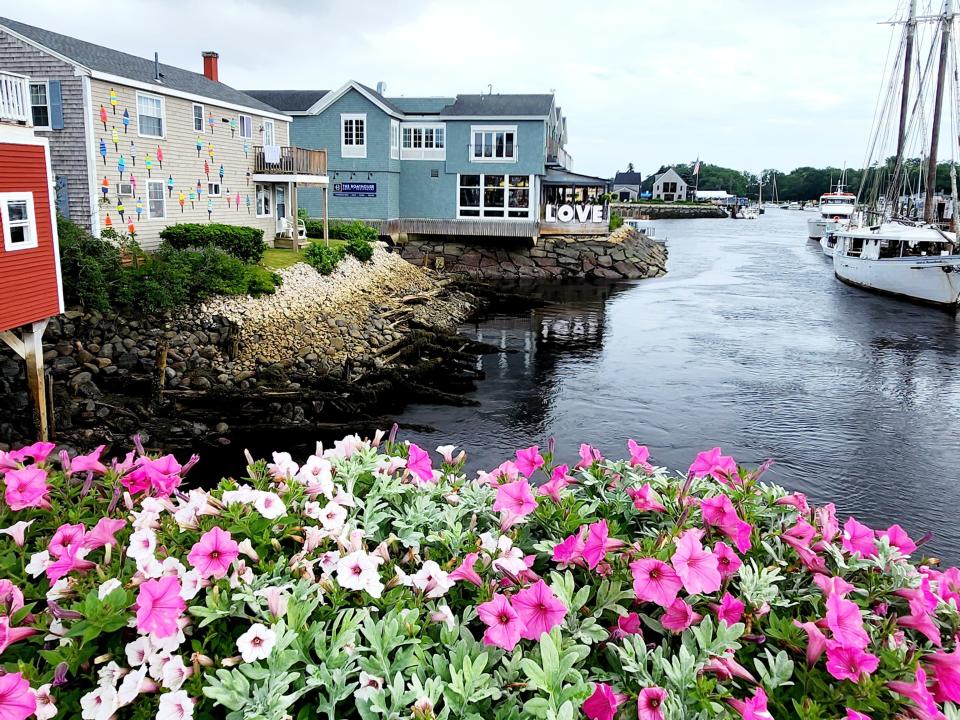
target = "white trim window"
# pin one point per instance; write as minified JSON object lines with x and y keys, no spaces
{"x":353,"y":135}
{"x":19,"y":221}
{"x":150,"y":115}
{"x":125,"y":189}
{"x":269,"y":133}
{"x":198,"y":118}
{"x":213,"y":189}
{"x":423,"y":141}
{"x":246,"y":127}
{"x":156,"y":203}
{"x":40,"y":105}
{"x":395,"y":139}
{"x":494,"y":196}
{"x":263,"y":200}
{"x":493,"y":143}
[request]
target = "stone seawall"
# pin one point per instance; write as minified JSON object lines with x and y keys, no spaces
{"x":667,"y":211}
{"x":623,"y":255}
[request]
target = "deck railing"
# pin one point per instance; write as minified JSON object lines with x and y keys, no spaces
{"x":15,"y":98}
{"x":292,"y":161}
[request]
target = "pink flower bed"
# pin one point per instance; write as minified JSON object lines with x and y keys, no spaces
{"x":375,"y":579}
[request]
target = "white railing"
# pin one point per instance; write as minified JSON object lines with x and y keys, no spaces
{"x":15,"y":98}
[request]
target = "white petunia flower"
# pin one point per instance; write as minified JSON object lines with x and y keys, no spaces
{"x":269,"y":505}
{"x":443,"y":614}
{"x":317,"y":475}
{"x":432,"y":580}
{"x":190,"y":584}
{"x":175,"y":705}
{"x":138,"y":651}
{"x":358,"y":571}
{"x":488,"y":543}
{"x":45,"y":705}
{"x":108,"y":587}
{"x":332,"y":517}
{"x":111,"y":673}
{"x":175,"y":673}
{"x":142,"y":544}
{"x":59,"y":590}
{"x":369,"y":685}
{"x":131,"y":686}
{"x":243,"y":495}
{"x":38,"y":563}
{"x":511,"y":562}
{"x":283,"y":467}
{"x":311,"y":509}
{"x":99,"y":704}
{"x":256,"y":643}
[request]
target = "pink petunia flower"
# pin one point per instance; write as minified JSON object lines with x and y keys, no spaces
{"x":598,"y":544}
{"x":719,"y":512}
{"x":588,"y":456}
{"x":529,"y":460}
{"x":730,"y":610}
{"x":754,"y":708}
{"x":159,"y":606}
{"x":825,"y":518}
{"x":38,"y":452}
{"x":855,"y":715}
{"x":923,"y":624}
{"x":846,"y":622}
{"x":898,"y":538}
{"x":559,"y":479}
{"x":728,"y":562}
{"x":713,"y":462}
{"x":515,"y":498}
{"x":918,"y":692}
{"x":419,"y":463}
{"x":858,"y":538}
{"x":504,"y":626}
{"x":103,"y":533}
{"x":643,"y":499}
{"x":649,"y":703}
{"x":89,"y":462}
{"x":603,"y":704}
{"x":639,"y":455}
{"x":846,"y":662}
{"x":830,"y":584}
{"x":539,"y":610}
{"x":816,"y":641}
{"x":628,"y":624}
{"x":214,"y":553}
{"x":679,"y":616}
{"x":696,"y":567}
{"x":655,"y":581}
{"x":570,"y":550}
{"x":17,"y":700}
{"x":26,"y":488}
{"x":797,"y":500}
{"x":465,"y":570}
{"x":67,"y":563}
{"x":67,"y":539}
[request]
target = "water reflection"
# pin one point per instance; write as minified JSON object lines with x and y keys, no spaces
{"x":749,"y":343}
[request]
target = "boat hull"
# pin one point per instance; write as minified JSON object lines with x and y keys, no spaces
{"x":826,"y":246}
{"x":928,"y":280}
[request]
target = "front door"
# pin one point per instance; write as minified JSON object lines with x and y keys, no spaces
{"x":280,"y":201}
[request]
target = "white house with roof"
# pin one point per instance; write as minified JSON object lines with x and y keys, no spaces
{"x":669,"y":186}
{"x":137,"y":145}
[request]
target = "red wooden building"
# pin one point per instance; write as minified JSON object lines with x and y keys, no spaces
{"x":30,"y":286}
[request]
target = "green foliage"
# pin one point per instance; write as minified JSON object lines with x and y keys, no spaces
{"x":324,"y":258}
{"x":361,"y":249}
{"x":616,"y":221}
{"x":245,"y":243}
{"x":342,"y":230}
{"x":90,"y":267}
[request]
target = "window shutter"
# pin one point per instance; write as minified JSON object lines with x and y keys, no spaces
{"x":56,"y":105}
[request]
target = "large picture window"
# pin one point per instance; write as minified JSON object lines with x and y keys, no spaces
{"x":494,"y":143}
{"x":149,"y":115}
{"x":494,"y":196}
{"x":353,"y":136}
{"x":156,"y":206}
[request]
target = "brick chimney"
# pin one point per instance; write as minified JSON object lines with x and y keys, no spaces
{"x":210,"y":69}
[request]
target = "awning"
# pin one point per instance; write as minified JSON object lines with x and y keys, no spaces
{"x":555,"y":176}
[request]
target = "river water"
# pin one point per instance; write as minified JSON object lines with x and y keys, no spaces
{"x":749,"y":343}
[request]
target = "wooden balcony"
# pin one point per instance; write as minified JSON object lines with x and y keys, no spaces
{"x":292,"y":161}
{"x":15,"y":99}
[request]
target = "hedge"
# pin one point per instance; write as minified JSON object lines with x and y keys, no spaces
{"x":240,"y":241}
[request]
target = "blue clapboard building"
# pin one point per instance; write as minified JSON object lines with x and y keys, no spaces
{"x":470,"y":165}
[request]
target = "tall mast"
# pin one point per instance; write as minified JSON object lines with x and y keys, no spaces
{"x":946,"y":25}
{"x":893,"y":191}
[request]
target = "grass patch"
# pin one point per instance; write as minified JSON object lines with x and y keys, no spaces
{"x":277,"y":259}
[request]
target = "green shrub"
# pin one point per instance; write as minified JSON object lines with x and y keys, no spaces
{"x":90,"y":267}
{"x":323,"y":258}
{"x":342,"y":230}
{"x":240,"y":241}
{"x":261,"y":281}
{"x":314,"y":228}
{"x":615,"y":221}
{"x":361,"y":249}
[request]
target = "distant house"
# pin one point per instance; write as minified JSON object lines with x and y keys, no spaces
{"x":669,"y":186}
{"x":626,"y":185}
{"x":137,"y":145}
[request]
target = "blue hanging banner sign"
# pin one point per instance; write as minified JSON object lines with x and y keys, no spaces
{"x":355,"y":189}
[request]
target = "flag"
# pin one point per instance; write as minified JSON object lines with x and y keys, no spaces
{"x":696,"y":168}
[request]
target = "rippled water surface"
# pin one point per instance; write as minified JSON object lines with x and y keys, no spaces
{"x":750,"y":343}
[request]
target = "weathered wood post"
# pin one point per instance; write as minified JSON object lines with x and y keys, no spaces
{"x":30,"y":348}
{"x":326,"y":217}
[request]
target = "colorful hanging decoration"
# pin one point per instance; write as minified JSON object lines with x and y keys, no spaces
{"x":228,"y":199}
{"x":113,"y":100}
{"x":248,"y":204}
{"x":193,"y":196}
{"x":233,"y":126}
{"x":199,"y":145}
{"x":115,"y":136}
{"x":248,"y":177}
{"x":105,"y":188}
{"x":103,"y":117}
{"x":126,"y":120}
{"x":210,"y":150}
{"x":133,"y":184}
{"x":206,"y":169}
{"x":133,"y":153}
{"x":209,"y":208}
{"x":121,"y":166}
{"x":160,"y":156}
{"x":181,"y":200}
{"x":199,"y":189}
{"x":108,"y":223}
{"x":169,"y":185}
{"x":148,"y":163}
{"x":120,"y":208}
{"x":221,"y":173}
{"x":210,"y":122}
{"x":132,"y":229}
{"x":236,"y":201}
{"x":103,"y":151}
{"x":246,"y":148}
{"x":139,"y":207}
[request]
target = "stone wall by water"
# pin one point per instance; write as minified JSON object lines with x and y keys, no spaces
{"x":622,"y":255}
{"x":667,"y":211}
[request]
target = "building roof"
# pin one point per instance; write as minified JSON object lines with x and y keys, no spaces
{"x":422,"y":105}
{"x":288,"y":100}
{"x":628,"y":178}
{"x":113,"y":62}
{"x":500,"y":105}
{"x":556,"y":176}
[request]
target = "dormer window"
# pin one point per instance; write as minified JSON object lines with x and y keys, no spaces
{"x":353,"y":135}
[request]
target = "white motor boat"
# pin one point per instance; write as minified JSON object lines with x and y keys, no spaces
{"x":643,"y":227}
{"x":916,"y":262}
{"x":829,"y":243}
{"x":836,"y":207}
{"x":750,"y":213}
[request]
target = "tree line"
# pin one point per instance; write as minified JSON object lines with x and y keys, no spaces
{"x":804,"y":183}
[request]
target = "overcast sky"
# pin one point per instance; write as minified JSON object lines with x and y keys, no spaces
{"x":748,"y":84}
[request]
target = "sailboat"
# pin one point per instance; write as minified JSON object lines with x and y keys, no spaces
{"x":915,"y":259}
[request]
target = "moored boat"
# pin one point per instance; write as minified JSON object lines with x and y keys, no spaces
{"x":835,"y":207}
